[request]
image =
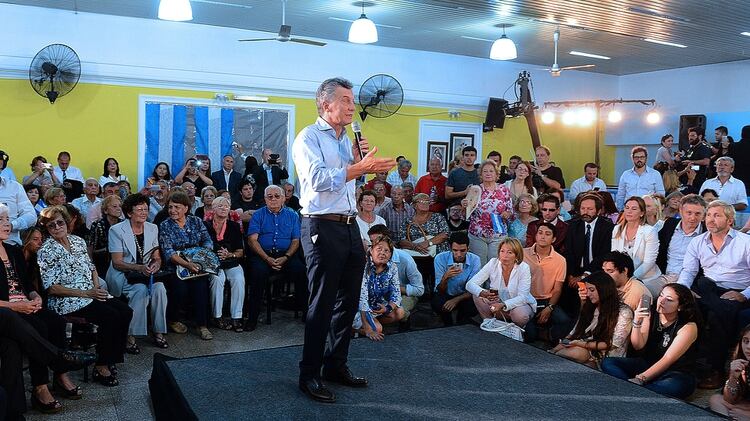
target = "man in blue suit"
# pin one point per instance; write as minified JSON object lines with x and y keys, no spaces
{"x":227,"y":178}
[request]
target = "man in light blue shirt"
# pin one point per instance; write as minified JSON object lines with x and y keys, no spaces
{"x":724,"y":289}
{"x":589,"y":181}
{"x":452,"y":270}
{"x":639,"y":180}
{"x":327,"y":164}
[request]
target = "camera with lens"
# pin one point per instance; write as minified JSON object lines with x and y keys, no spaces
{"x":273,"y":159}
{"x":196,"y":163}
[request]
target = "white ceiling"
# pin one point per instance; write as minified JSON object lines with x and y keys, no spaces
{"x":710,"y":29}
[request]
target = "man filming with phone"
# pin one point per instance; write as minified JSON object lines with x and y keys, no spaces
{"x":271,"y":172}
{"x":453,"y":269}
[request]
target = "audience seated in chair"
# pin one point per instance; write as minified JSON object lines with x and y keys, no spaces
{"x":134,"y":248}
{"x":549,"y":209}
{"x":453,"y":269}
{"x":274,"y":238}
{"x":723,"y":254}
{"x":603,"y":326}
{"x":380,"y":296}
{"x":548,"y":269}
{"x":396,"y":212}
{"x":508,"y":296}
{"x":98,"y":238}
{"x":525,"y":209}
{"x":410,"y":280}
{"x":73,"y":290}
{"x":638,"y":239}
{"x":227,"y":238}
{"x":665,"y":334}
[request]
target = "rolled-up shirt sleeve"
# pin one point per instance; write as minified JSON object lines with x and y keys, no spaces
{"x":690,"y":263}
{"x":308,"y":156}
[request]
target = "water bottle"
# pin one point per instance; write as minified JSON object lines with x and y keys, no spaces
{"x":433,"y":195}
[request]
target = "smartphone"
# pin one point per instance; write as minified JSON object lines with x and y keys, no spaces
{"x":596,"y":188}
{"x":645,"y":301}
{"x":695,"y":167}
{"x":581,"y":286}
{"x":565,"y":341}
{"x":458,"y":265}
{"x":47,"y":166}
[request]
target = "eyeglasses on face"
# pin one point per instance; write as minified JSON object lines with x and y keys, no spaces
{"x":55,"y":224}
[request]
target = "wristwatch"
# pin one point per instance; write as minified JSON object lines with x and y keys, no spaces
{"x":551,"y":307}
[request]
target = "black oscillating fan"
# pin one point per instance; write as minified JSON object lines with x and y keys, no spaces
{"x":54,"y":71}
{"x":380,"y":96}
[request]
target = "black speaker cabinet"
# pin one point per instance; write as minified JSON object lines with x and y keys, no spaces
{"x":495,"y":114}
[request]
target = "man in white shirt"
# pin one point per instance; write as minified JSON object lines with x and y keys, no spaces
{"x":20,"y":210}
{"x":401,"y":175}
{"x":88,"y":200}
{"x":640,"y":180}
{"x":5,"y":171}
{"x":730,"y":189}
{"x":64,"y":171}
{"x":589,"y":181}
{"x":724,"y":289}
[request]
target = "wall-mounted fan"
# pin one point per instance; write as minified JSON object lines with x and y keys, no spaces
{"x":380,"y":96}
{"x":555,"y":70}
{"x":54,"y":71}
{"x":285,"y":33}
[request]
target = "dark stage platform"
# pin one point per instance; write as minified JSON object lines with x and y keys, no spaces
{"x":453,"y":373}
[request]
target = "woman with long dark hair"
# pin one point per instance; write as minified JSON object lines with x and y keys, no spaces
{"x":734,"y":399}
{"x":522,"y":182}
{"x":111,"y":172}
{"x":665,"y":335}
{"x":160,"y":173}
{"x":603,"y":326}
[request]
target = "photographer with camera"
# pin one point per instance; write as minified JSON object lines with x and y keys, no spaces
{"x":270,"y":172}
{"x":197,"y":170}
{"x":544,"y":174}
{"x":42,"y":175}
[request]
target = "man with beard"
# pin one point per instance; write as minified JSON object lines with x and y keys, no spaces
{"x":640,"y":180}
{"x":731,"y":190}
{"x":588,"y":239}
{"x":699,"y":153}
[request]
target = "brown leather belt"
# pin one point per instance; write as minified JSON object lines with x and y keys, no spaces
{"x":335,"y":217}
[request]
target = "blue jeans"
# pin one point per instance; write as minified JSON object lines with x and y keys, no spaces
{"x":671,"y":383}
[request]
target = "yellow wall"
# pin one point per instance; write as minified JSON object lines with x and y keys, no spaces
{"x":95,"y":121}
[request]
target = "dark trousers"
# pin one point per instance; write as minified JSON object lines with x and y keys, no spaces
{"x":559,"y":324}
{"x":192,"y":291}
{"x":671,"y":383}
{"x":465,"y":309}
{"x":113,"y":318}
{"x":17,"y":337}
{"x":335,"y":264}
{"x":50,"y":326}
{"x":260,"y":271}
{"x":721,"y":320}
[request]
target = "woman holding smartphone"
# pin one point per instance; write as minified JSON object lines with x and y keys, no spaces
{"x":666,"y":337}
{"x":603,"y":326}
{"x":734,"y":399}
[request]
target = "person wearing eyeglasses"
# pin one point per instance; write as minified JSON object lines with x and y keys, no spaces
{"x":274,"y":238}
{"x":639,"y":180}
{"x":73,"y":289}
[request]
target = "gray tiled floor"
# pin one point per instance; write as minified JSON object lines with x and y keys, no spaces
{"x":130,"y":401}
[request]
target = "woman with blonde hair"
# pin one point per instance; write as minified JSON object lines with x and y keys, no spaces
{"x":509,"y":293}
{"x":639,"y":240}
{"x":525,"y":208}
{"x":671,"y":181}
{"x":654,"y":207}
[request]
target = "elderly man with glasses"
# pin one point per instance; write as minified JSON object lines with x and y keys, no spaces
{"x":274,"y":235}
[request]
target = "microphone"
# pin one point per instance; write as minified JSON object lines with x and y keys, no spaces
{"x":357,"y":129}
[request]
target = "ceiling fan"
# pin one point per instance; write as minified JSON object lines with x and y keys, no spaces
{"x":285,"y":33}
{"x":555,"y":70}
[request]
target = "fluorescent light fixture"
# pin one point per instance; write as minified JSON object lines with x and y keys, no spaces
{"x":614,"y":116}
{"x":747,"y":34}
{"x":548,"y":117}
{"x":582,"y":54}
{"x":504,"y":10}
{"x":671,"y":44}
{"x":571,"y":21}
{"x":363,"y":31}
{"x":476,"y":39}
{"x":175,"y":10}
{"x":250,"y":98}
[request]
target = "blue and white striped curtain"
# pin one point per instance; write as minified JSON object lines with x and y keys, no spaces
{"x":166,"y":132}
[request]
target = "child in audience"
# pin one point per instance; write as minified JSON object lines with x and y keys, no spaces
{"x":603,"y":326}
{"x":665,"y":335}
{"x":734,"y":399}
{"x":380,"y":297}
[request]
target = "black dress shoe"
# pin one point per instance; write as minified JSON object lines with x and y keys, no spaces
{"x":345,"y":377}
{"x":316,"y":390}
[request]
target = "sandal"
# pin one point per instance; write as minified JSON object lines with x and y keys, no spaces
{"x":237,"y":325}
{"x":178,"y":327}
{"x":132,"y":348}
{"x":220,"y":323}
{"x":103,"y":380}
{"x":161,"y":342}
{"x":45,"y":408}
{"x":72,"y":394}
{"x":205,"y":334}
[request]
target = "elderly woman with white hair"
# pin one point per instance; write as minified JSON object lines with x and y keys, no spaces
{"x":227,"y":238}
{"x":134,"y":248}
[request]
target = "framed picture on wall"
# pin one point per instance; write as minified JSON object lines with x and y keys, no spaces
{"x":439,"y":150}
{"x":458,"y":142}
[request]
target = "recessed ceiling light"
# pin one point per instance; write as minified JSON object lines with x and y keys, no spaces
{"x":671,"y":44}
{"x":504,"y":10}
{"x":747,"y":34}
{"x":579,"y":53}
{"x":571,"y":21}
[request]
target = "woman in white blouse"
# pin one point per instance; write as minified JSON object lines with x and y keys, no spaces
{"x":111,"y":172}
{"x":509,"y":293}
{"x":638,"y":239}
